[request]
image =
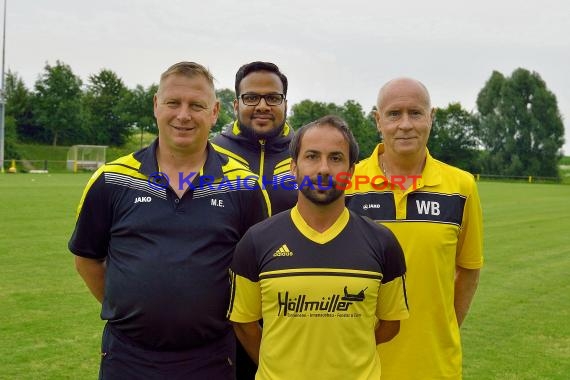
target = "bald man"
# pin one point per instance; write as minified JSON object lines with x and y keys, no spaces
{"x":434,"y":211}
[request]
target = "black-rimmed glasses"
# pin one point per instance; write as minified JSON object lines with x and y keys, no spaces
{"x":254,"y":99}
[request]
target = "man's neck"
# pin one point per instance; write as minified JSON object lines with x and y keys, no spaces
{"x":393,"y":164}
{"x":320,"y":217}
{"x":179,"y":164}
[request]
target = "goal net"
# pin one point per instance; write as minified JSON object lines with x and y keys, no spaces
{"x":85,"y":157}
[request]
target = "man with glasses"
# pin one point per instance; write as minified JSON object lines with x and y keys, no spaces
{"x":260,"y":136}
{"x":259,"y":139}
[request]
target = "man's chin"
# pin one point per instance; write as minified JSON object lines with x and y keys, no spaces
{"x":322,"y":197}
{"x":263,"y":129}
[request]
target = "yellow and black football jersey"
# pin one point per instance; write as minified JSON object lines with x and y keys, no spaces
{"x":319,"y":294}
{"x":438,"y":223}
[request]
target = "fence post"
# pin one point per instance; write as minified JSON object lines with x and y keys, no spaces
{"x":529,"y":179}
{"x":12,"y":168}
{"x":478,"y":177}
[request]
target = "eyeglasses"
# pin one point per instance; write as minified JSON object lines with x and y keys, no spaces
{"x":254,"y":99}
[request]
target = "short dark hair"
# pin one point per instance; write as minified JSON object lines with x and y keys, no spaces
{"x":333,"y":121}
{"x":252,"y":67}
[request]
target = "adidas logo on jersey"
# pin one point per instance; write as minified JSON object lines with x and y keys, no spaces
{"x":283,"y":251}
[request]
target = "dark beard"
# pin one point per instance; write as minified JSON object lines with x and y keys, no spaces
{"x":251,"y":134}
{"x":324,"y":194}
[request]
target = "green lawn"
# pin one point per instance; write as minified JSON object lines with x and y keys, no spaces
{"x":518,"y":326}
{"x":54,"y":158}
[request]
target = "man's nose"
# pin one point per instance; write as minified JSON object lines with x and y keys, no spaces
{"x":262,"y":105}
{"x":184,"y":113}
{"x":324,"y":168}
{"x":406,"y":122}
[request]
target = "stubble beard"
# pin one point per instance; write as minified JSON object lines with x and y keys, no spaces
{"x":248,"y":130}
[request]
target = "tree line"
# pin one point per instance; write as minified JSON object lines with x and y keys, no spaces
{"x":516,"y":130}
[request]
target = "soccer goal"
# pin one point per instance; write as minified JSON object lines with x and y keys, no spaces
{"x":85,"y":157}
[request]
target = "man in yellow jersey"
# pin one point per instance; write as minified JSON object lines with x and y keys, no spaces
{"x":328,"y":283}
{"x":434,"y":210}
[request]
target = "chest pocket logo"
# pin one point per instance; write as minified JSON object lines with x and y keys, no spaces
{"x":428,"y":207}
{"x":216,"y":202}
{"x":436,"y":207}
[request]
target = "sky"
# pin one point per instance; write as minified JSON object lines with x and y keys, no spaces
{"x":330,"y":50}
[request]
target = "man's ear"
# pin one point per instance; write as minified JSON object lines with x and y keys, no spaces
{"x":236,"y":105}
{"x":215,"y":112}
{"x":293,"y":168}
{"x":154,"y":104}
{"x":377,"y":119}
{"x":432,"y":116}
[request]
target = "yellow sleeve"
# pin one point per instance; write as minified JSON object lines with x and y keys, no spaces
{"x":392,"y":301}
{"x":245,"y":302}
{"x":469,"y":252}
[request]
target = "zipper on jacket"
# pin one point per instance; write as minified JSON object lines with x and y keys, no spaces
{"x":262,"y":158}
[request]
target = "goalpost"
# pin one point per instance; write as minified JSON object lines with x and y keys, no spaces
{"x":86,"y":157}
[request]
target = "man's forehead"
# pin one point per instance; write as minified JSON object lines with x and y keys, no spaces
{"x":319,"y":139}
{"x":182,"y":85}
{"x":402,"y":90}
{"x":268,"y":78}
{"x":404,"y":101}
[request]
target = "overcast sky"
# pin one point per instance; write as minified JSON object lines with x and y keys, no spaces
{"x":330,"y":50}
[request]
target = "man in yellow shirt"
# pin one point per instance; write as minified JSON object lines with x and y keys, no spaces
{"x":328,"y":283}
{"x":434,"y":211}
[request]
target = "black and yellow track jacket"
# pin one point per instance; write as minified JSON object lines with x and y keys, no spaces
{"x":267,"y":158}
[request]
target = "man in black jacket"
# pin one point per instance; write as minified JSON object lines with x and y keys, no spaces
{"x":260,"y":136}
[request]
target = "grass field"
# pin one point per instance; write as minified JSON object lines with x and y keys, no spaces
{"x":54,"y":158}
{"x":518,"y":326}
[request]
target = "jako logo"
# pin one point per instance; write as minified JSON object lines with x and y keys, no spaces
{"x":143,"y":199}
{"x":371,"y":205}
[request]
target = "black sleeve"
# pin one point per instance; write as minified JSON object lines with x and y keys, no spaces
{"x":90,"y":237}
{"x":394,"y":263}
{"x":254,"y":207}
{"x":244,"y":262}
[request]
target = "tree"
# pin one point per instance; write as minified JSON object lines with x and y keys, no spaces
{"x":362,"y":127}
{"x":307,"y":111}
{"x":452,"y":138}
{"x":363,"y":130}
{"x":19,"y":102}
{"x":10,"y":138}
{"x":520,"y":125}
{"x":137,"y":108}
{"x":226,"y":116}
{"x":104,"y":118}
{"x":58,"y":103}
